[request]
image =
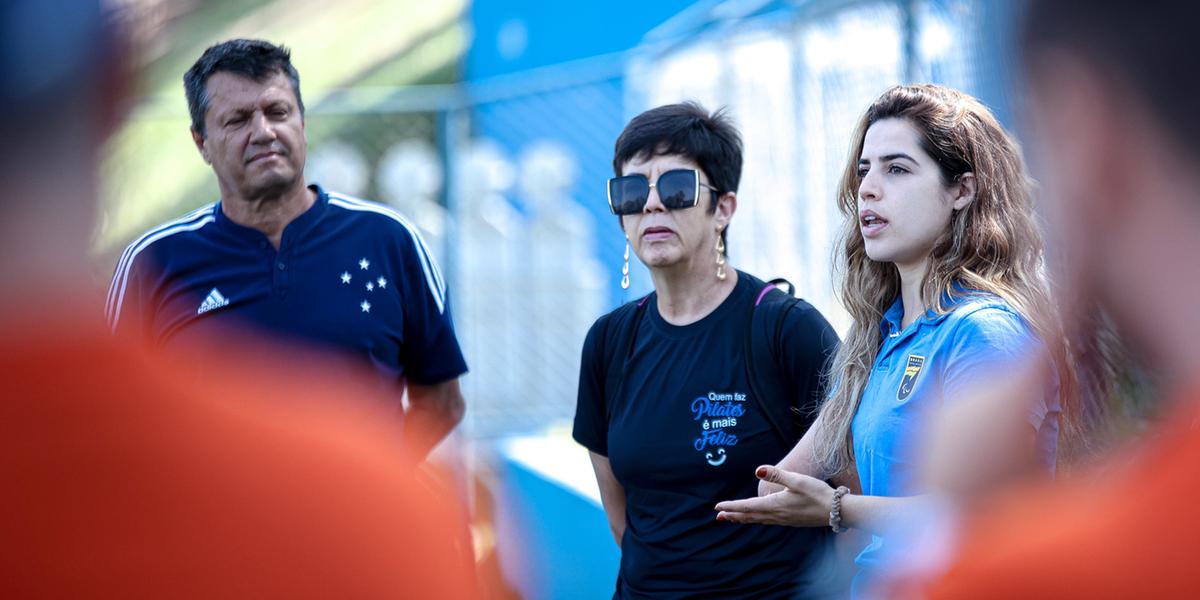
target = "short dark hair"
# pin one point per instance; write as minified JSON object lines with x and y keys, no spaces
{"x":1153,"y":49}
{"x":256,"y":59}
{"x":688,"y":130}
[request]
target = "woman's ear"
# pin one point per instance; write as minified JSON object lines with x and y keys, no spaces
{"x":964,"y":190}
{"x":726,"y":206}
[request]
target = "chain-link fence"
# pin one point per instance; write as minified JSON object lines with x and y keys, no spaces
{"x":796,"y":81}
{"x":505,"y":177}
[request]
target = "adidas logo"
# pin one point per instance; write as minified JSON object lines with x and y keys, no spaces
{"x":214,"y":300}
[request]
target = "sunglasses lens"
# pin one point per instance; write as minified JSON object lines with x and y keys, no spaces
{"x":677,"y":189}
{"x":628,"y":194}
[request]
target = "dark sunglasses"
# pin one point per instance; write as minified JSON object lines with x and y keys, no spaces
{"x":679,"y":188}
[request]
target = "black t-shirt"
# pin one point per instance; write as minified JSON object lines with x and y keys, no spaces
{"x":684,"y":432}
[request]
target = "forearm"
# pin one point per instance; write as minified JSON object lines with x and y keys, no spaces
{"x":433,"y":412}
{"x":612,"y":495}
{"x":798,"y":460}
{"x":614,"y":509}
{"x":425,"y":427}
{"x":875,"y":513}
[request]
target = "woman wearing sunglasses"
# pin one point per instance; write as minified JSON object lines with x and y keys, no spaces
{"x":941,"y":259}
{"x":667,"y":405}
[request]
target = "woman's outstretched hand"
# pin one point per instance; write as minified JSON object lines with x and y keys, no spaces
{"x":803,"y":501}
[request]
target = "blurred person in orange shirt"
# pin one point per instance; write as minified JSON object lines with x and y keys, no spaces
{"x":1113,"y":90}
{"x":125,"y":475}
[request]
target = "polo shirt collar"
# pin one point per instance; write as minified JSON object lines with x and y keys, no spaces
{"x":893,"y":317}
{"x":297,"y":228}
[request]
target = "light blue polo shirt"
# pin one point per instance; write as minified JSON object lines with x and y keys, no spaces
{"x":927,"y":365}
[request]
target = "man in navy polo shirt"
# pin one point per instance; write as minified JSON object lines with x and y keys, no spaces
{"x":295,"y":261}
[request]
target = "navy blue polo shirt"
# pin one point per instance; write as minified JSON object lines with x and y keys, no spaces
{"x":349,"y":275}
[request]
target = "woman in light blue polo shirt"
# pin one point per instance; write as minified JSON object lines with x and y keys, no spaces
{"x":941,"y":263}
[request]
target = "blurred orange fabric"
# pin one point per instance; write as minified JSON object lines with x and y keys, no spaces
{"x":127,"y":475}
{"x":1129,"y":534}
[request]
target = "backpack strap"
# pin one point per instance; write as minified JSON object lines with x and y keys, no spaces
{"x":618,"y":346}
{"x":775,"y":283}
{"x":763,"y":368}
{"x":620,"y":337}
{"x":792,"y":301}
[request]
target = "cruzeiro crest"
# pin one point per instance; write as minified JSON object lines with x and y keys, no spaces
{"x":911,"y":371}
{"x":370,"y":285}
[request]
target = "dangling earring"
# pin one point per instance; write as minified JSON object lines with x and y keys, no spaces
{"x":625,"y":269}
{"x":720,"y":256}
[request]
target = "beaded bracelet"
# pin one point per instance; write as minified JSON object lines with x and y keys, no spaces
{"x":835,"y":510}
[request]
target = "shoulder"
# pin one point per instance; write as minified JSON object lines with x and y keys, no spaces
{"x":986,"y":312}
{"x":374,"y":219}
{"x":772,"y":303}
{"x":157,"y":243}
{"x":804,"y":314}
{"x":160,"y":239}
{"x":800,"y":334}
{"x":370,"y":213}
{"x":988,"y":320}
{"x":617,"y":318}
{"x":185,"y":227}
{"x":613,"y":324}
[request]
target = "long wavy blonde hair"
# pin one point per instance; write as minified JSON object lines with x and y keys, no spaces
{"x":993,"y":245}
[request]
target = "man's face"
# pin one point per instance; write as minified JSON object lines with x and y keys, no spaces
{"x":255,"y":135}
